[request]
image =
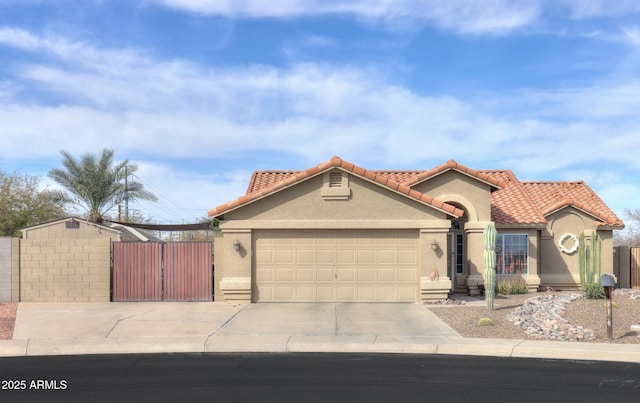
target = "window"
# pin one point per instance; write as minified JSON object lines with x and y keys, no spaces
{"x":512,"y":254}
{"x":459,"y":255}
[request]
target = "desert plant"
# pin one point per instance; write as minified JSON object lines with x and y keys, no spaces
{"x":485,"y":322}
{"x":509,"y":285}
{"x":589,"y":261}
{"x":489,"y":238}
{"x":593,"y":291}
{"x":590,"y":266}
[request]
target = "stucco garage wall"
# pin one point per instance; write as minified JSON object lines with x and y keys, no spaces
{"x":65,"y":270}
{"x":305,"y":207}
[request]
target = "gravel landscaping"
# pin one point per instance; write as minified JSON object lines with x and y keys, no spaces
{"x":7,"y":320}
{"x":567,"y":316}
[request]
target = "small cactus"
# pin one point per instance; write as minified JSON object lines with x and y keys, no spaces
{"x":485,"y":322}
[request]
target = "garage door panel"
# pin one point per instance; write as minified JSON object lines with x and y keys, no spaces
{"x":284,"y":256}
{"x":407,"y":257}
{"x":405,"y":275}
{"x":324,"y":274}
{"x":336,"y":265}
{"x":386,"y":274}
{"x":284,"y":293}
{"x":325,"y":294}
{"x":305,"y":256}
{"x":305,"y":293}
{"x":326,"y":256}
{"x":346,"y":256}
{"x":346,"y":293}
{"x":367,"y":274}
{"x":304,"y":275}
{"x":284,"y":274}
{"x":266,"y":256}
{"x":387,"y":256}
{"x":346,"y":274}
{"x":265,"y":274}
{"x":366,"y":256}
{"x":386,"y":293}
{"x":366,"y":293}
{"x":406,"y":294}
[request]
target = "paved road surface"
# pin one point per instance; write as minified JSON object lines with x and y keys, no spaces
{"x":305,"y":377}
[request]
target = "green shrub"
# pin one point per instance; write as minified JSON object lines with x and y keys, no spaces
{"x":593,"y":291}
{"x":485,"y":322}
{"x":510,"y":284}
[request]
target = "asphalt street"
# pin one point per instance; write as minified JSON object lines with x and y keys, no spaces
{"x":302,"y":377}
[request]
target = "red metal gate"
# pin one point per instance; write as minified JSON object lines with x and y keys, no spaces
{"x":150,"y":271}
{"x":187,"y":271}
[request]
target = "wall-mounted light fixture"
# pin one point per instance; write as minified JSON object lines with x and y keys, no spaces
{"x":236,"y":246}
{"x":434,"y":245}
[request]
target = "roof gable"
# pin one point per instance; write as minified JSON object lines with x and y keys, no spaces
{"x":450,"y":165}
{"x":263,"y":184}
{"x":551,"y":197}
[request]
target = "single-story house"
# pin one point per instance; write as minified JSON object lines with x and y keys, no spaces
{"x":339,"y":232}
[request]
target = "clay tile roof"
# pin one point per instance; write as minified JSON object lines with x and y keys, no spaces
{"x":266,"y":182}
{"x":262,"y":179}
{"x":553,"y":196}
{"x":452,"y":164}
{"x":512,"y":204}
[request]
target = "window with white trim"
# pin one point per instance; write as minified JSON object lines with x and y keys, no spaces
{"x":512,"y":254}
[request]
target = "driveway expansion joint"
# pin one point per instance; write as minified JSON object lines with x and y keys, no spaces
{"x":226,"y":322}
{"x":122,"y":319}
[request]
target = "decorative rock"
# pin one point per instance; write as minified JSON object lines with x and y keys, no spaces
{"x":541,"y":317}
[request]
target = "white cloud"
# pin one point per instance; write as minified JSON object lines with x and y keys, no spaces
{"x":493,"y":17}
{"x":166,"y":110}
{"x":583,"y":9}
{"x":464,"y":16}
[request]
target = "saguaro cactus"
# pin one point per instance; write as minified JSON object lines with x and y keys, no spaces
{"x":589,"y":259}
{"x":489,"y":237}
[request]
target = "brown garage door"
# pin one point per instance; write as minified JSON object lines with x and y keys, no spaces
{"x":336,"y":266}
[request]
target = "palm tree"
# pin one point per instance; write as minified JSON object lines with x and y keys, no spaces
{"x":96,"y":184}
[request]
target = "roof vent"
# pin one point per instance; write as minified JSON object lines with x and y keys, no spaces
{"x":335,"y":179}
{"x":335,"y":186}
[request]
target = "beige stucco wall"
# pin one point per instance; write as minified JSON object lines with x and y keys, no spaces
{"x":304,"y":201}
{"x":559,"y":269}
{"x":65,"y":270}
{"x":452,"y":186}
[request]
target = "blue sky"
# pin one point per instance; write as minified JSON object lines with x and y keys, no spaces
{"x":200,"y":93}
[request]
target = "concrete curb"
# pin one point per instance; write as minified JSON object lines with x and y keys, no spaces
{"x":323,"y":344}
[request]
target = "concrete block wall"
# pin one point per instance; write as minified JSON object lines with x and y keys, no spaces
{"x":9,"y":269}
{"x":65,"y":270}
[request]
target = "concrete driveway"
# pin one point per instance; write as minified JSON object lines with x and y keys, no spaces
{"x":64,"y":328}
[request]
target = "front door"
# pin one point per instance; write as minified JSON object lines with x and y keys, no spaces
{"x":455,"y":258}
